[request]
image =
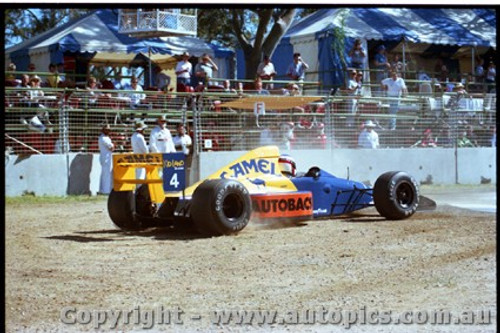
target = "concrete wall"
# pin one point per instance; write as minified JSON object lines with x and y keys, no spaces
{"x":56,"y":175}
{"x":60,"y":175}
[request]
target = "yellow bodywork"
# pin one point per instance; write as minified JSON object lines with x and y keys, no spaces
{"x":257,"y":170}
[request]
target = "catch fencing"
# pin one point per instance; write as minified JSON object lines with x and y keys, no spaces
{"x":70,"y":119}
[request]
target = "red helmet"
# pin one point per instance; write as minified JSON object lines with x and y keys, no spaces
{"x":287,"y":165}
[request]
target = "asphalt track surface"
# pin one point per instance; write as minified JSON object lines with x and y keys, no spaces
{"x":477,"y":198}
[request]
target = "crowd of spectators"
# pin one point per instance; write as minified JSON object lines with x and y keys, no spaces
{"x":389,"y":82}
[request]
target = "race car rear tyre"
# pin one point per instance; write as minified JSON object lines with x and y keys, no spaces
{"x":145,"y":209}
{"x":121,"y":209}
{"x":220,"y":207}
{"x":396,"y":195}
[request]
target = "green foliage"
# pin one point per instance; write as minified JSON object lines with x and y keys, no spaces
{"x":71,"y":199}
{"x":339,"y":35}
{"x":23,"y":24}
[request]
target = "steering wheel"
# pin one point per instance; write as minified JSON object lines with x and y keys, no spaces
{"x":313,"y":172}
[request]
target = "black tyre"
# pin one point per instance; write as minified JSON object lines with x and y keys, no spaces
{"x":220,"y":207}
{"x":121,"y":209}
{"x":396,"y":195}
{"x":145,"y":209}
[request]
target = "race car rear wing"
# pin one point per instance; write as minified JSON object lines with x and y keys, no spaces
{"x":164,"y":173}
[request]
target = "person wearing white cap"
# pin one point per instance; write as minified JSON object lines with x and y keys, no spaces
{"x":106,"y":148}
{"x":139,"y":146}
{"x":368,"y":138}
{"x":160,"y":139}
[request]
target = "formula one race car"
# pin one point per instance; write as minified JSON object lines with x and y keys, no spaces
{"x":259,"y":185}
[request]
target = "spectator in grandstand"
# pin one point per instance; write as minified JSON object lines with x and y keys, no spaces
{"x":35,"y":92}
{"x":92,"y":91}
{"x":106,"y":148}
{"x":479,"y":71}
{"x":291,"y":89}
{"x":396,"y":88}
{"x":424,"y":86}
{"x":118,"y":81}
{"x":463,"y":141}
{"x":54,"y":79}
{"x":10,"y":79}
{"x":359,"y":81}
{"x":160,"y":139}
{"x":162,"y":80}
{"x":396,"y":64}
{"x":491,"y":74}
{"x":25,"y":81}
{"x":139,"y":146}
{"x":381,"y":64}
{"x":351,"y":89}
{"x":472,"y":135}
{"x":137,"y":98}
{"x":31,"y":67}
{"x":297,"y":69}
{"x":440,"y":70}
{"x":32,"y":99}
{"x":226,"y":85}
{"x":427,"y":140}
{"x":460,"y":92}
{"x":183,"y":70}
{"x":357,"y":54}
{"x":368,"y":138}
{"x":182,"y":140}
{"x":266,"y":71}
{"x":60,"y":70}
{"x":320,"y":138}
{"x":258,"y":87}
{"x":205,"y":69}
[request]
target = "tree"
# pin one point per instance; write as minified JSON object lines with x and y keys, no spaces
{"x":23,"y":24}
{"x":257,"y":31}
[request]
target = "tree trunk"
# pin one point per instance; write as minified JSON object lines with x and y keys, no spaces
{"x":267,"y":45}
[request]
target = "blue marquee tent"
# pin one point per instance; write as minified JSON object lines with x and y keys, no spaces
{"x":313,"y":35}
{"x":98,"y":32}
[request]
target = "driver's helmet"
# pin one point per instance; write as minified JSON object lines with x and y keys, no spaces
{"x":287,"y":165}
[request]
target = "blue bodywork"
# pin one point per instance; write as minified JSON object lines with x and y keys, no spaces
{"x":334,"y":196}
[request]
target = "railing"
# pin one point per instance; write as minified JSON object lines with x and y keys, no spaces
{"x":71,"y":119}
{"x":172,"y":21}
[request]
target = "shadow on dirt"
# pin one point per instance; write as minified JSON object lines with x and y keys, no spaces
{"x":79,"y":239}
{"x":164,"y":233}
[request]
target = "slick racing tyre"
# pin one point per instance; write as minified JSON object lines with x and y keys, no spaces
{"x":145,"y":209}
{"x":122,"y":210}
{"x":220,"y":207}
{"x":396,"y":195}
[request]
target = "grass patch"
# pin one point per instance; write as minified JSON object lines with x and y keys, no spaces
{"x":46,"y":199}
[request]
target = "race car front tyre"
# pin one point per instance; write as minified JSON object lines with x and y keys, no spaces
{"x":121,"y":209}
{"x":220,"y":207}
{"x":396,"y":195}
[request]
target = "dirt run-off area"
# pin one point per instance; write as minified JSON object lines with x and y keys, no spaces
{"x":66,"y":265}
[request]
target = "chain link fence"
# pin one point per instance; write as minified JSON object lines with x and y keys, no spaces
{"x":41,"y":120}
